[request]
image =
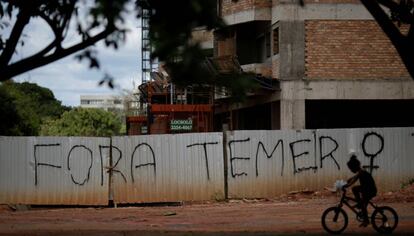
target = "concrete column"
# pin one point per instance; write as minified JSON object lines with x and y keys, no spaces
{"x":292,"y":114}
{"x":292,"y":50}
{"x":292,"y":73}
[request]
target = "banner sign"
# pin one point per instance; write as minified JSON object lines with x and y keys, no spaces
{"x":181,"y":125}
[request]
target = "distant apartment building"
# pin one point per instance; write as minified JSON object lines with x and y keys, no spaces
{"x":334,"y":66}
{"x":106,"y":102}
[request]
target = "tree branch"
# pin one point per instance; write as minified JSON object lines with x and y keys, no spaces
{"x":400,"y":42}
{"x":388,"y":3}
{"x":67,"y":18}
{"x":22,"y":20}
{"x":45,"y":50}
{"x":51,"y":23}
{"x":403,"y":11}
{"x":59,"y":24}
{"x":383,"y":20}
{"x":38,"y":60}
{"x":58,"y":32}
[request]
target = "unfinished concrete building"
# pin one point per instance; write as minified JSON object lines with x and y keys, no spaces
{"x":333,"y":65}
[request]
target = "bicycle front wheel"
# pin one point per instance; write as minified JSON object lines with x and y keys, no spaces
{"x":384,"y":220}
{"x":334,"y":220}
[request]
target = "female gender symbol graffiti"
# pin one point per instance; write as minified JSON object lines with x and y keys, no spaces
{"x":374,"y":154}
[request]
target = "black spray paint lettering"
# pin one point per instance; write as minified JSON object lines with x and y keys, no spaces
{"x":37,"y":163}
{"x":280,"y":142}
{"x":372,"y":155}
{"x":295,"y":156}
{"x":112,"y":168}
{"x":101,"y":157}
{"x":205,"y":154}
{"x":232,"y":159}
{"x":330,"y":154}
{"x":89,"y":168}
{"x":153,"y":163}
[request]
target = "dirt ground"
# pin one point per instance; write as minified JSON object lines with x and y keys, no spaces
{"x":296,"y":213}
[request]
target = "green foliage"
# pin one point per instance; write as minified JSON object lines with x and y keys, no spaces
{"x":9,"y":117}
{"x":25,"y":107}
{"x":239,"y":85}
{"x":408,"y":183}
{"x":83,"y":122}
{"x":123,"y":130}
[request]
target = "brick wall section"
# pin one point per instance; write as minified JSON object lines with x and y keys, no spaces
{"x":226,"y":46}
{"x":230,"y":7}
{"x":275,"y":67}
{"x":353,"y":49}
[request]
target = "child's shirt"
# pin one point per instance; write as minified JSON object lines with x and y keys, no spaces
{"x":367,"y":183}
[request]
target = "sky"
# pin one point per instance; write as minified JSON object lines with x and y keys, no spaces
{"x":69,"y":79}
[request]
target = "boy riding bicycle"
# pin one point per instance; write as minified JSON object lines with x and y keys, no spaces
{"x":363,"y":192}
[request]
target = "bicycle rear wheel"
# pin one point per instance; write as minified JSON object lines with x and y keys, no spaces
{"x":384,"y":220}
{"x":334,"y":220}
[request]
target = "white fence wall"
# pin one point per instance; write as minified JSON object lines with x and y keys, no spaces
{"x":54,"y":170}
{"x":166,"y":168}
{"x":268,"y":163}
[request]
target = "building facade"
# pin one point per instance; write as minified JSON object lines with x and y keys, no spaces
{"x":334,"y":66}
{"x":106,"y":102}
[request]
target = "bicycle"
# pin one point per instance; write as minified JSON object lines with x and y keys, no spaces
{"x":384,"y":219}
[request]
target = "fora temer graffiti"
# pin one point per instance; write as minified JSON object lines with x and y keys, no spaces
{"x":327,"y":149}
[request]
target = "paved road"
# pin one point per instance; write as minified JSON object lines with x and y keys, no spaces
{"x":230,"y":218}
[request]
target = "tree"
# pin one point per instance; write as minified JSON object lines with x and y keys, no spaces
{"x":83,"y":122}
{"x":9,"y":117}
{"x":25,"y":106}
{"x":103,"y":21}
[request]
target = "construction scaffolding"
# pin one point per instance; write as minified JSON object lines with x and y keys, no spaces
{"x":162,"y":107}
{"x":148,"y":65}
{"x":170,"y":109}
